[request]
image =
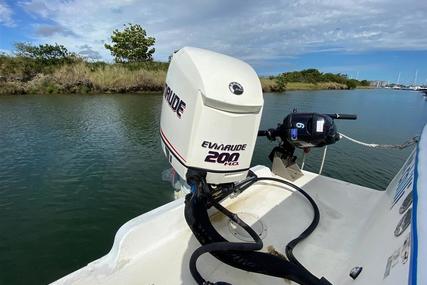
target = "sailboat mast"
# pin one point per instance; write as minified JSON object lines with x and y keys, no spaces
{"x":415,"y":78}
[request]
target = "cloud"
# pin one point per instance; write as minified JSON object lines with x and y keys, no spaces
{"x":51,"y":30}
{"x":6,"y":15}
{"x":5,"y":51}
{"x":37,"y":8}
{"x":256,"y":31}
{"x":87,"y":52}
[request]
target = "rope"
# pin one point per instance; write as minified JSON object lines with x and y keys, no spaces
{"x":323,"y":159}
{"x":303,"y":160}
{"x":406,"y":144}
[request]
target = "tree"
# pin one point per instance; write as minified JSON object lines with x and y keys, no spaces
{"x":281,"y":83}
{"x":311,"y":75}
{"x":364,"y":83}
{"x":46,"y":54}
{"x":131,"y":44}
{"x":351,"y":83}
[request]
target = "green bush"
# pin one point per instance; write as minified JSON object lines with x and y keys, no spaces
{"x":131,"y":44}
{"x":314,"y":76}
{"x":46,"y":54}
{"x":365,"y":83}
{"x":351,"y":83}
{"x":281,"y":83}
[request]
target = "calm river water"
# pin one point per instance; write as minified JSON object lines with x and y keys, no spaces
{"x":73,"y":169}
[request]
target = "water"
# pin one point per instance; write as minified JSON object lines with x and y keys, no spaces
{"x":73,"y":169}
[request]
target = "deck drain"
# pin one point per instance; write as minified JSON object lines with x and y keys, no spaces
{"x":252,"y":221}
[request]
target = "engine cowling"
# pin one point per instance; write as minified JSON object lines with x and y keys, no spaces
{"x":211,"y":111}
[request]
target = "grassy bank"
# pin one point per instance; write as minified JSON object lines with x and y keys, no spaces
{"x":270,"y":85}
{"x":19,"y":75}
{"x":310,"y":79}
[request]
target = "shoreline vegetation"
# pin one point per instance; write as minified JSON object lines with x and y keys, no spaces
{"x":270,"y":85}
{"x":20,"y":75}
{"x":52,"y":69}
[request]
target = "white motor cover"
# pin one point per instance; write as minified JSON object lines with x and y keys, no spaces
{"x":211,"y":111}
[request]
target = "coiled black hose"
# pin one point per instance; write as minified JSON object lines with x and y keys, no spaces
{"x":316,"y":218}
{"x":299,"y":271}
{"x":225,"y":245}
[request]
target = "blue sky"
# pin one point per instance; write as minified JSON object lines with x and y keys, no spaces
{"x":361,"y":38}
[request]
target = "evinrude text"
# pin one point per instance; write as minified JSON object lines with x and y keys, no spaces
{"x":174,"y":101}
{"x":225,"y":157}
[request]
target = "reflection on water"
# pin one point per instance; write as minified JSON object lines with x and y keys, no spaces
{"x":75,"y":168}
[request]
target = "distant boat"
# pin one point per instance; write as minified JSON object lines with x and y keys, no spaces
{"x":422,"y":89}
{"x":414,"y":88}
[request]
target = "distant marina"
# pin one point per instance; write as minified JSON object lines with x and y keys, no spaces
{"x":398,"y":86}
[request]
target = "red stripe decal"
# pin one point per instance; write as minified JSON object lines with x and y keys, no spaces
{"x":170,"y":145}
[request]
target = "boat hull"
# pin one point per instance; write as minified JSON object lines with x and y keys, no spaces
{"x":359,"y":227}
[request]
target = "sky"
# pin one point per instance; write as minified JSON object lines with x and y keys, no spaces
{"x":374,"y":40}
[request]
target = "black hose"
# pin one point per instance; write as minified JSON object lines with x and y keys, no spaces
{"x":225,"y":245}
{"x":295,"y":271}
{"x":291,"y":245}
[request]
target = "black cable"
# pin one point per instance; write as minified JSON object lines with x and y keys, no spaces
{"x":291,"y":245}
{"x":224,"y":246}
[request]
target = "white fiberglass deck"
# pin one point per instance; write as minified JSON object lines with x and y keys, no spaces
{"x":354,"y":230}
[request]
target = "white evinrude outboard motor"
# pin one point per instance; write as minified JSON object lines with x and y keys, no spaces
{"x":211,"y":110}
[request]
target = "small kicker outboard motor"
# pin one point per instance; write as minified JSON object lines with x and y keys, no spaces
{"x":304,"y":131}
{"x":211,"y":111}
